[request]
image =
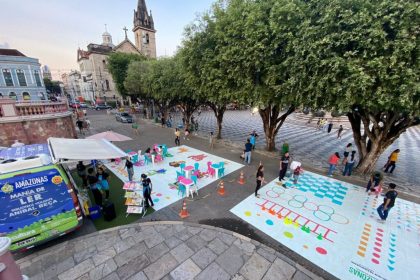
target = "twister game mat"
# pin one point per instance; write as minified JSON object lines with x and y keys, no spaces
{"x":334,"y":225}
{"x":163,"y":174}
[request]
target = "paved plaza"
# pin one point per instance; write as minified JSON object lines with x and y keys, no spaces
{"x":78,"y":253}
{"x":313,"y":147}
{"x":161,"y":250}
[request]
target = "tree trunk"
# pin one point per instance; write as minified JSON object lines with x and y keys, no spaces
{"x":373,"y":133}
{"x":219,"y":112}
{"x":272,"y":122}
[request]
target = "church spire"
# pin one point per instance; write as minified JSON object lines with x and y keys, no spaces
{"x":142,"y":18}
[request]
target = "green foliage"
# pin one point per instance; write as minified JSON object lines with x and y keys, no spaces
{"x":52,"y":86}
{"x":118,"y":64}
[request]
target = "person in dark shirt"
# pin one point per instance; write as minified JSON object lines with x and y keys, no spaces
{"x":147,"y":190}
{"x":389,"y":202}
{"x":260,"y":179}
{"x":103,"y":181}
{"x":81,"y":171}
{"x":93,"y":185}
{"x":284,"y":163}
{"x":79,"y":124}
{"x":247,"y":152}
{"x":130,"y":169}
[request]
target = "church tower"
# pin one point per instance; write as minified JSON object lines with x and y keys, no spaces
{"x":144,"y":30}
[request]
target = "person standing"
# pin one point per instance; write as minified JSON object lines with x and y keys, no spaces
{"x":333,"y":161}
{"x":79,"y":124}
{"x":318,"y":124}
{"x":296,"y":173}
{"x":253,"y":139}
{"x":177,"y":136}
{"x":81,"y":171}
{"x":162,"y":120}
{"x":340,"y":131}
{"x":284,"y":163}
{"x":330,"y":126}
{"x":17,"y":144}
{"x":392,"y":159}
{"x":374,"y":181}
{"x":103,"y":181}
{"x":186,"y":134}
{"x":348,"y":168}
{"x":248,"y":149}
{"x":260,"y":179}
{"x":130,"y":169}
{"x":147,"y":190}
{"x":94,"y":187}
{"x":389,"y":202}
{"x":211,"y":140}
{"x":346,"y":153}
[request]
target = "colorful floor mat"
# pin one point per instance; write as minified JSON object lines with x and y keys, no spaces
{"x":334,"y":225}
{"x":163,"y":174}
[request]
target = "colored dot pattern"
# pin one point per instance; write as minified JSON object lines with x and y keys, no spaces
{"x":364,"y":239}
{"x":378,"y":246}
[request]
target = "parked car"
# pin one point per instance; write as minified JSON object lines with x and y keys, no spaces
{"x":83,"y":105}
{"x":74,"y":105}
{"x":102,"y":107}
{"x":124,"y":117}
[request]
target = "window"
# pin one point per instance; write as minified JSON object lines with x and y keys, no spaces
{"x":107,"y":84}
{"x":146,"y":38}
{"x":1,"y":95}
{"x":8,"y":77}
{"x":13,"y":95}
{"x":26,"y":96}
{"x":21,"y":77}
{"x":37,"y":78}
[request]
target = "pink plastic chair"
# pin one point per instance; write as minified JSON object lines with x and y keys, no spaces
{"x":117,"y":161}
{"x":211,"y":171}
{"x":158,"y":158}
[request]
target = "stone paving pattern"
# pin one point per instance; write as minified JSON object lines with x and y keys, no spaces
{"x":312,"y":146}
{"x":161,"y":250}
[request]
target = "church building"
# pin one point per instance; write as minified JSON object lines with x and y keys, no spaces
{"x":96,"y":82}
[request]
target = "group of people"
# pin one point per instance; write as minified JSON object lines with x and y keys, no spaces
{"x":348,"y":161}
{"x":324,"y":125}
{"x":83,"y":124}
{"x":97,"y":180}
{"x":145,"y":181}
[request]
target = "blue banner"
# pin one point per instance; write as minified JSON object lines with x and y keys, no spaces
{"x":28,"y":198}
{"x":24,"y":151}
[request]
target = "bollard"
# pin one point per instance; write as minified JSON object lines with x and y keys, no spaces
{"x":9,"y":270}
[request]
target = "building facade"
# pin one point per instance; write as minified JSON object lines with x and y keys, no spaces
{"x":20,"y":76}
{"x":144,"y":30}
{"x":46,"y":72}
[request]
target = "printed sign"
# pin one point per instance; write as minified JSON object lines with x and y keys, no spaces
{"x":35,"y":206}
{"x":24,"y":151}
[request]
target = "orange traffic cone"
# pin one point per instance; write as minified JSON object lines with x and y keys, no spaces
{"x":241,"y":178}
{"x":221,"y":190}
{"x":184,"y":213}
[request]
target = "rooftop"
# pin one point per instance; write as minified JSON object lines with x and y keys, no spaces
{"x":11,"y":52}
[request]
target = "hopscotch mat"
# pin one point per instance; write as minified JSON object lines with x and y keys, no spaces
{"x":163,"y":174}
{"x":334,"y":225}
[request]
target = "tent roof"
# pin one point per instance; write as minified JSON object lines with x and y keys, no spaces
{"x":67,"y":150}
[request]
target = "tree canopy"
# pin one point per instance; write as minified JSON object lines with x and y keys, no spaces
{"x":118,"y":64}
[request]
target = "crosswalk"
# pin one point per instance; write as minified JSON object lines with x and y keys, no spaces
{"x":314,"y":145}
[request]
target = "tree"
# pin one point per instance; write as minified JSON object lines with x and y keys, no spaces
{"x":254,"y":40}
{"x":361,"y":57}
{"x":52,"y":86}
{"x":118,"y":64}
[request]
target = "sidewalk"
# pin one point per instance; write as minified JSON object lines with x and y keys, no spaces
{"x":162,"y":250}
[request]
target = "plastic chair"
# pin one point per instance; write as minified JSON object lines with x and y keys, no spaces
{"x":164,"y":150}
{"x":221,"y":172}
{"x":210,"y":170}
{"x":117,"y":161}
{"x":158,"y":158}
{"x":180,"y":174}
{"x":196,"y":166}
{"x":182,"y":189}
{"x":135,"y":158}
{"x":147,"y":160}
{"x":222,"y":164}
{"x":182,"y":165}
{"x":194,"y":179}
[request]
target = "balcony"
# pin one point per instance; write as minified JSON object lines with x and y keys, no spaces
{"x":12,"y":110}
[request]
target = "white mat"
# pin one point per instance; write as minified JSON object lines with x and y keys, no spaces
{"x":334,"y":225}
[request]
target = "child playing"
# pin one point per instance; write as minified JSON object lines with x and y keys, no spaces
{"x":186,"y":133}
{"x":376,"y":190}
{"x":298,"y":170}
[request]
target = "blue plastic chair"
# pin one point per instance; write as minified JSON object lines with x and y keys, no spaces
{"x":194,"y":179}
{"x":196,"y":166}
{"x":221,"y":172}
{"x":147,"y":160}
{"x":222,"y":164}
{"x":135,"y":158}
{"x":182,"y":165}
{"x":182,"y":189}
{"x":178,"y":174}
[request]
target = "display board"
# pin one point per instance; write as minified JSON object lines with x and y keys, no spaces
{"x":335,"y":225}
{"x":163,"y":174}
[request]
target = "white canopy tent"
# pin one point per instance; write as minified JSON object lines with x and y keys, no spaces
{"x":71,"y":150}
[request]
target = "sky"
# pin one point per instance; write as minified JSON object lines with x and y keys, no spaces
{"x":53,"y":30}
